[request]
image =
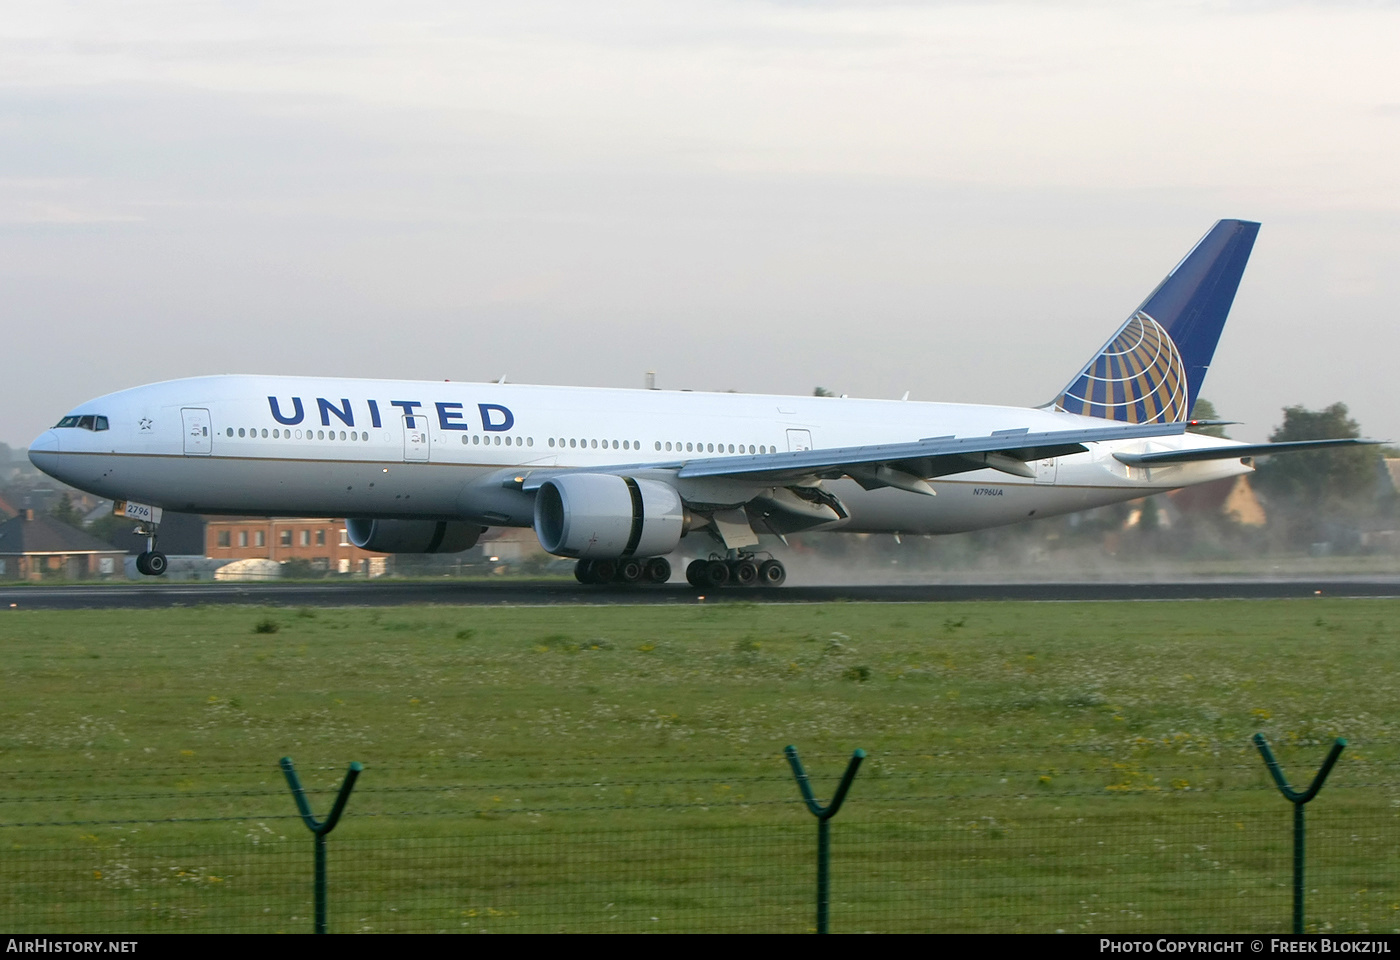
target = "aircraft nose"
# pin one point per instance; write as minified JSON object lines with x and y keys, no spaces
{"x":43,"y":452}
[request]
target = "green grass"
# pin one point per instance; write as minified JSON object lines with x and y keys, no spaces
{"x":1032,"y":766}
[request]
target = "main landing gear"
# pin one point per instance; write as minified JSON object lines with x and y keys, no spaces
{"x":626,"y":570}
{"x":151,"y":562}
{"x":740,"y":571}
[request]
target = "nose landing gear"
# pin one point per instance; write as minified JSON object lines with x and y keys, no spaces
{"x":151,"y":562}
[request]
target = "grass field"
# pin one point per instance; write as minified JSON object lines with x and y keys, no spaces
{"x":1032,"y":766}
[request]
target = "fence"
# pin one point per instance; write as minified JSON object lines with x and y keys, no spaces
{"x":671,"y":843}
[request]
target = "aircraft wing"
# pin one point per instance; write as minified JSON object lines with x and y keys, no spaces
{"x":903,"y":465}
{"x":908,"y":465}
{"x":1237,"y":451}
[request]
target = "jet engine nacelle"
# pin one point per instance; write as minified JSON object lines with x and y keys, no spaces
{"x":413,"y":536}
{"x":595,"y":516}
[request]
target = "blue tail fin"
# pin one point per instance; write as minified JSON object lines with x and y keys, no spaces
{"x":1151,"y":370}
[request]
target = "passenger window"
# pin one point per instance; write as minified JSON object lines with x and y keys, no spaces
{"x":498,"y":439}
{"x":614,"y":444}
{"x":595,"y":444}
{"x":529,"y":441}
{"x":572,"y":442}
{"x":230,"y":431}
{"x":551,"y":441}
{"x":240,"y":431}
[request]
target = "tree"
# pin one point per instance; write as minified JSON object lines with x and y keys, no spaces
{"x":1327,"y":477}
{"x":822,"y":392}
{"x":1205,"y":410}
{"x":114,"y":529}
{"x":64,"y":512}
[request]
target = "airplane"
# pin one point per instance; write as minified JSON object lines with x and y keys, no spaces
{"x":618,"y":479}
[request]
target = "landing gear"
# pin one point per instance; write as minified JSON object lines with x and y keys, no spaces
{"x":740,"y":571}
{"x":151,"y":562}
{"x":658,"y":570}
{"x":628,"y":570}
{"x":771,"y":573}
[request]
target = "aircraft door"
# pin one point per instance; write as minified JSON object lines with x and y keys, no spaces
{"x":1046,"y":470}
{"x":799,"y":440}
{"x":199,"y":439}
{"x":416,"y":439}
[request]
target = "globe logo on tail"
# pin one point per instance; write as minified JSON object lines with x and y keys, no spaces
{"x":1138,"y":377}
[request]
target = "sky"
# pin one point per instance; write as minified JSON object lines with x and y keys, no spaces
{"x":959,"y":200}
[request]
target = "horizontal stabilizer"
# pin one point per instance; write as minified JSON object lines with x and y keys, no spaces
{"x":1235,"y":452}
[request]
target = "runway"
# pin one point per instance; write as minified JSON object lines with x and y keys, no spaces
{"x":547,"y":592}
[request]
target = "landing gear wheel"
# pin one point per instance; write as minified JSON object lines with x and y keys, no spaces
{"x":743,"y":573}
{"x":658,"y":570}
{"x":583,"y":571}
{"x":695,"y":572}
{"x":604,"y":571}
{"x":772,"y":573}
{"x":716,"y":574}
{"x":630,"y":571}
{"x":152,"y":563}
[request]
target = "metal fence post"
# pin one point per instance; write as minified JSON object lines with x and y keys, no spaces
{"x":319,"y":830}
{"x":1298,"y":800}
{"x":823,"y":815}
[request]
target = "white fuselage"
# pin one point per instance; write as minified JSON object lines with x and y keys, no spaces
{"x":296,"y":446}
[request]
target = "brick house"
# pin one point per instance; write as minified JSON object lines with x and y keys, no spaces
{"x":324,"y":544}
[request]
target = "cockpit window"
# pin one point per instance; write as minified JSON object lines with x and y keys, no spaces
{"x":88,"y":422}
